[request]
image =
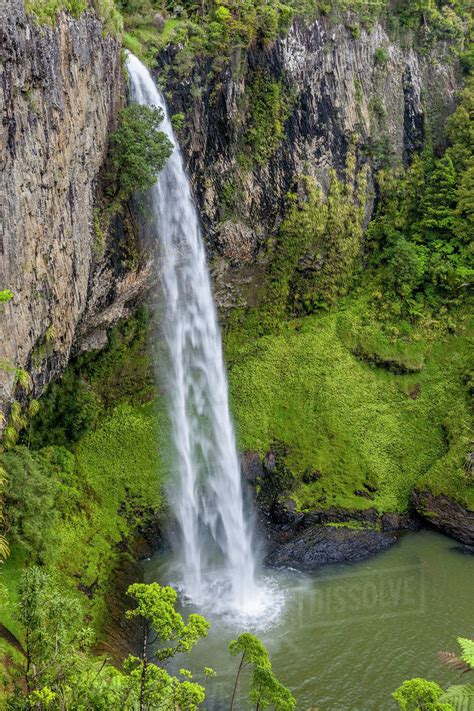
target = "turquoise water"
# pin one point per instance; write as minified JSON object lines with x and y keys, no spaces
{"x":344,"y":638}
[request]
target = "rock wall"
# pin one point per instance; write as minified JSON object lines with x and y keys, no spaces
{"x":342,"y":91}
{"x":60,"y":89}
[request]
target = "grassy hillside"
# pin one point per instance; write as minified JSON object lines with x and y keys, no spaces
{"x":346,"y":424}
{"x":88,"y":474}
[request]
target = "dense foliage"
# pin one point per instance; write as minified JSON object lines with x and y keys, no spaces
{"x":268,"y":107}
{"x":56,"y":669}
{"x":138,"y":151}
{"x":216,"y":28}
{"x":422,"y":695}
{"x":422,"y":235}
{"x":74,"y":479}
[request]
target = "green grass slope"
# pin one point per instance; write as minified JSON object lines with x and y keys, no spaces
{"x":347,"y":424}
{"x":91,"y":475}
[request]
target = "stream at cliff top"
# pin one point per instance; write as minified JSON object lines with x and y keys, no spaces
{"x":349,"y":635}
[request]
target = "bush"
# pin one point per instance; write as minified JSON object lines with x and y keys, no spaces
{"x":138,"y":150}
{"x":269,"y":104}
{"x":46,"y":11}
{"x":406,"y":265}
{"x":381,"y":56}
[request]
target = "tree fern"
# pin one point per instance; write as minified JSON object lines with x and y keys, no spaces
{"x":467,"y":653}
{"x":460,"y":697}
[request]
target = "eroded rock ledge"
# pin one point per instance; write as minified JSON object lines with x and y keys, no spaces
{"x":307,"y":540}
{"x":445,"y":514}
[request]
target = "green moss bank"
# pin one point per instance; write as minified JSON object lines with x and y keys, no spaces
{"x":87,"y":476}
{"x":354,"y":432}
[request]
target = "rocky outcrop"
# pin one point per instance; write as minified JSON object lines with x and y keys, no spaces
{"x":61,"y":89}
{"x":319,"y":545}
{"x":447,"y":515}
{"x":306,"y":540}
{"x":371,"y":90}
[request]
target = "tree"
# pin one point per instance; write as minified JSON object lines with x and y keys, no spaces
{"x":57,"y":673}
{"x":138,"y":150}
{"x":54,"y":635}
{"x":265,"y":689}
{"x":438,"y":205}
{"x":162,"y":624}
{"x":420,"y":695}
{"x":406,"y":266}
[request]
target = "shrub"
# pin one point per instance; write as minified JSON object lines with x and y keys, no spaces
{"x":406,"y":265}
{"x":381,"y":56}
{"x":46,"y":11}
{"x":268,"y":108}
{"x":138,"y":150}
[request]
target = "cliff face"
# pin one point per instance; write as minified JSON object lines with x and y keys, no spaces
{"x":370,"y":90}
{"x":60,"y":89}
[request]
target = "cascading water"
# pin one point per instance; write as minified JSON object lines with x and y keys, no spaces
{"x":216,"y":558}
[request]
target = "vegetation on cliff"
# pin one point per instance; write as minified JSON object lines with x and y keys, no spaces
{"x":355,"y":367}
{"x":371,"y":399}
{"x":217,"y":28}
{"x":86,"y":475}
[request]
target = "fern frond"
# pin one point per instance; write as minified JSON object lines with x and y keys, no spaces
{"x":450,"y":659}
{"x":33,"y":408}
{"x":50,"y":334}
{"x":467,"y":651}
{"x":460,"y":697}
{"x":4,"y":549}
{"x":10,"y":436}
{"x":24,"y":378}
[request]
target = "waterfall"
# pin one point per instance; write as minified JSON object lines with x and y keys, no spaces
{"x":215,"y":551}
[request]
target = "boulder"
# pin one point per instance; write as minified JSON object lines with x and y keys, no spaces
{"x":252,"y":468}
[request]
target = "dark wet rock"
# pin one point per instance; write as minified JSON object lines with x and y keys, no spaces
{"x":158,"y":20}
{"x":270,"y":461}
{"x":121,"y":636}
{"x":310,"y":476}
{"x":400,"y":522}
{"x":445,"y":514}
{"x":364,"y":493}
{"x":252,"y":468}
{"x":320,"y":545}
{"x":415,"y":392}
{"x":339,"y":515}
